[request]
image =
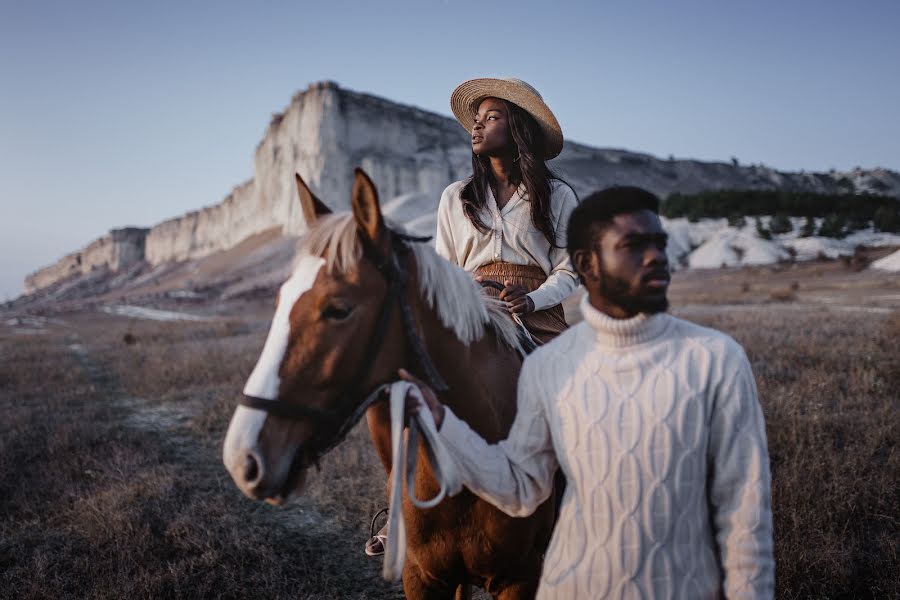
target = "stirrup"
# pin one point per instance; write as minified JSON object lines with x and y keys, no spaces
{"x":377,"y":542}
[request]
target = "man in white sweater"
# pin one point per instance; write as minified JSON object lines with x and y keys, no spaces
{"x":653,"y":420}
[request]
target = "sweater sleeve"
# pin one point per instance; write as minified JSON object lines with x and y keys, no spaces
{"x":516,"y":474}
{"x":739,"y":490}
{"x":443,"y":241}
{"x":562,"y":280}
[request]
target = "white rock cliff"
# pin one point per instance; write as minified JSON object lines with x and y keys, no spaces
{"x":118,"y":249}
{"x":326,"y":131}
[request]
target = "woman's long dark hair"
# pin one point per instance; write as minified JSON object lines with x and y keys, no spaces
{"x":529,"y":169}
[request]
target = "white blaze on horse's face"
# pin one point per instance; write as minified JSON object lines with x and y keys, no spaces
{"x":264,"y":380}
{"x":243,"y":432}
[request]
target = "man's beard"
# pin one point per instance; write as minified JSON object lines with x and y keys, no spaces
{"x":617,"y":291}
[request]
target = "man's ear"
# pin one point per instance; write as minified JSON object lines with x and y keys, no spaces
{"x":584,"y":261}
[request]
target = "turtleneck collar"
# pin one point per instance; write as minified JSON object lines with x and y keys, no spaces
{"x":621,"y":333}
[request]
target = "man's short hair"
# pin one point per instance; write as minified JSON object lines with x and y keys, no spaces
{"x":600,"y":207}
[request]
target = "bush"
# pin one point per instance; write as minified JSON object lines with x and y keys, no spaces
{"x":857,"y":222}
{"x":887,"y":218}
{"x":762,"y":231}
{"x":809,"y":228}
{"x":694,"y":215}
{"x":737,"y":220}
{"x":780,"y":223}
{"x":834,"y":226}
{"x":782,"y":295}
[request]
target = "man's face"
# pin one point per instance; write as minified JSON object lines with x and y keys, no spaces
{"x":626,"y":271}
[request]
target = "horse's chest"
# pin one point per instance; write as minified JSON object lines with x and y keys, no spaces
{"x":470,"y":538}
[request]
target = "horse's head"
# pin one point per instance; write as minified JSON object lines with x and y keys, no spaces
{"x":321,"y":357}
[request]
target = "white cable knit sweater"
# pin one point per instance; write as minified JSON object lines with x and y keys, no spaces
{"x":656,"y":424}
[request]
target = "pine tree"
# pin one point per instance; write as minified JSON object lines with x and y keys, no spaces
{"x":834,"y":226}
{"x":780,"y":223}
{"x":887,"y":218}
{"x":737,"y":220}
{"x":809,"y":228}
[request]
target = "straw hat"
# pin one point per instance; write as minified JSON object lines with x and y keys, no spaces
{"x":465,"y":99}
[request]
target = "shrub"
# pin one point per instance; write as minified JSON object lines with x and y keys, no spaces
{"x":762,"y":231}
{"x":857,"y":222}
{"x":887,"y":218}
{"x":834,"y":226}
{"x":809,"y":228}
{"x":737,"y":220}
{"x":694,"y":215}
{"x":782,"y":295}
{"x":780,"y":223}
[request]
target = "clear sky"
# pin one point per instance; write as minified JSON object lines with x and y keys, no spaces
{"x":126,"y":113}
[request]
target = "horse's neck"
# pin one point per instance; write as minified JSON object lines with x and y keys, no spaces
{"x":481,"y":377}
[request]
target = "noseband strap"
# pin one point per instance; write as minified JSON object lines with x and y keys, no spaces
{"x":334,"y":424}
{"x":288,"y":411}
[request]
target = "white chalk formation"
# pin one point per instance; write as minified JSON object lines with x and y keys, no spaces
{"x":891,"y":262}
{"x":118,"y":249}
{"x":411,"y":155}
{"x":713,"y":244}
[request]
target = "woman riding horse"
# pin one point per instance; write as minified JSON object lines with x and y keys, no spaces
{"x":506,"y":222}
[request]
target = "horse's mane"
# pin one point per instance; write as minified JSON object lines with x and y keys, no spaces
{"x":460,"y":303}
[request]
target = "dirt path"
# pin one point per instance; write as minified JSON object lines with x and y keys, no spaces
{"x":173,"y":425}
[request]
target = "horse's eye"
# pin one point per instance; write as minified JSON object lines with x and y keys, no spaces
{"x":336,"y":313}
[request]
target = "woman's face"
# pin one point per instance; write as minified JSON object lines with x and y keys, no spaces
{"x":490,"y":134}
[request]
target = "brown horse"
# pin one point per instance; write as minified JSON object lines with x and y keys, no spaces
{"x":334,"y":320}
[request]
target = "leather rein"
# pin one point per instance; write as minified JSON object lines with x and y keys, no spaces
{"x":335,"y":423}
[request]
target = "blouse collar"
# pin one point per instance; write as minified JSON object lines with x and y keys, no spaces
{"x":518,"y":195}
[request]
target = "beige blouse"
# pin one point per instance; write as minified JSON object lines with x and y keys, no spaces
{"x":513,"y":238}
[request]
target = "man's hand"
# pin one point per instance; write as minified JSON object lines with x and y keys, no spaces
{"x":412,"y":407}
{"x":516,"y":296}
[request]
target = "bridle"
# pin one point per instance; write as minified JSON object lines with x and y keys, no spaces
{"x":334,"y":424}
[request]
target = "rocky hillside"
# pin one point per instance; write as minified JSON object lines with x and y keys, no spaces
{"x":326,"y":131}
{"x":117,"y":250}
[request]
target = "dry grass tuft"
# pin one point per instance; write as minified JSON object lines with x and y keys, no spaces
{"x":783,"y":295}
{"x":829,"y":392}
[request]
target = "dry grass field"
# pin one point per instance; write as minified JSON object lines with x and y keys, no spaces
{"x":111,"y":484}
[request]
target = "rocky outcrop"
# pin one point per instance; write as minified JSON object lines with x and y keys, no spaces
{"x":210,"y":229}
{"x":118,"y":249}
{"x":323,"y":134}
{"x":589,"y":169}
{"x":326,"y":131}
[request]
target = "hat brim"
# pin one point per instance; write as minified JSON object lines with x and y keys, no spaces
{"x":468,"y":95}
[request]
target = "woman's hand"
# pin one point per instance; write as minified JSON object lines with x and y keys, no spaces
{"x":412,"y":407}
{"x":516,"y":296}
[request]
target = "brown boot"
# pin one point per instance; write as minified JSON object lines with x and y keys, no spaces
{"x":376,"y":543}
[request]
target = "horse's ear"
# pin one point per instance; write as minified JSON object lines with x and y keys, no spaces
{"x":367,"y":211}
{"x":313,"y":208}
